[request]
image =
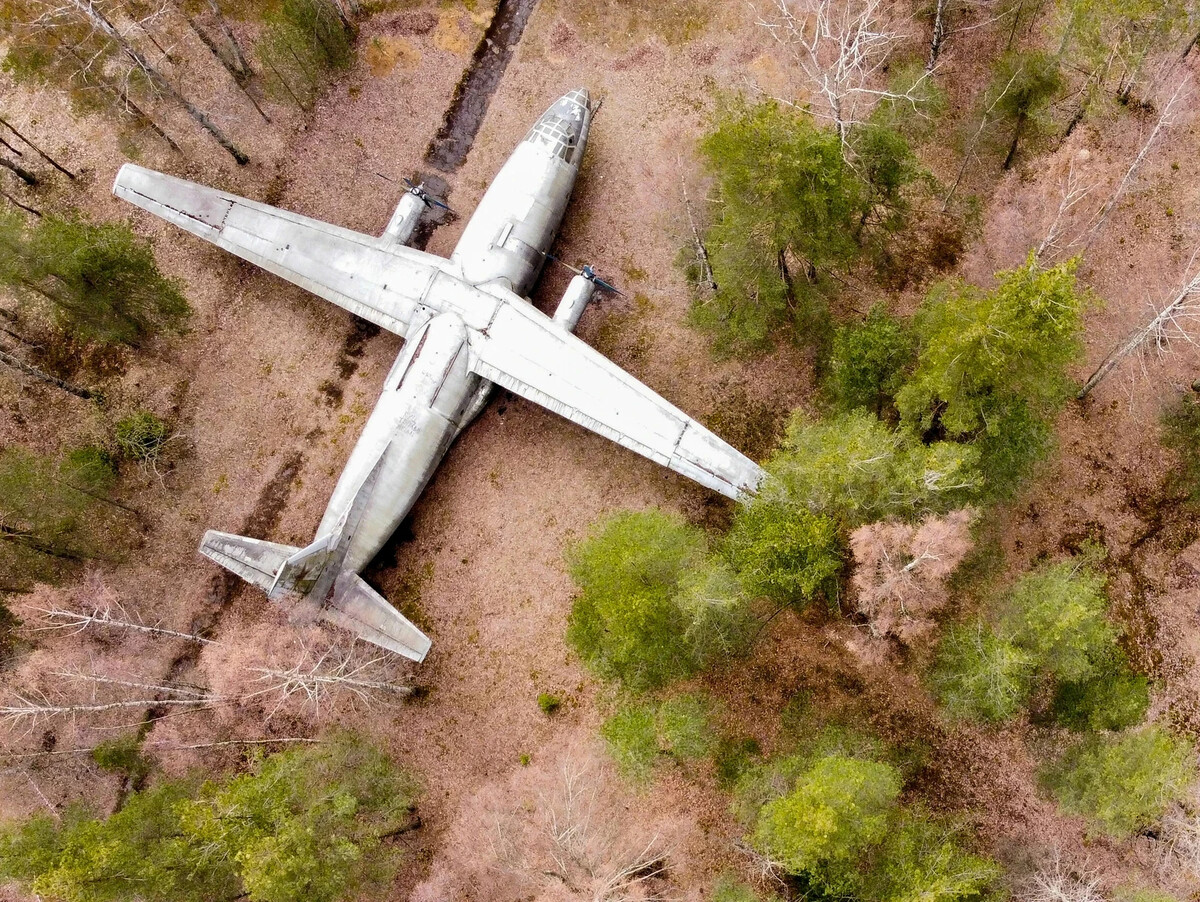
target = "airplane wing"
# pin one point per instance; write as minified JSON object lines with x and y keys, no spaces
{"x":524,"y":351}
{"x":342,"y":266}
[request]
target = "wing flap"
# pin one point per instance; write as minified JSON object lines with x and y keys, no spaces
{"x":524,"y":351}
{"x":339,"y":265}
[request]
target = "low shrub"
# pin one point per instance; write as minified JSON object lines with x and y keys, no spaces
{"x":640,"y":734}
{"x":631,"y":736}
{"x":1181,"y":433}
{"x":140,"y":436}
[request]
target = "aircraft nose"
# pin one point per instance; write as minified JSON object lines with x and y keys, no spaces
{"x":579,"y":96}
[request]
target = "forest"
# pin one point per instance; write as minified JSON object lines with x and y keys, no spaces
{"x":935,"y":264}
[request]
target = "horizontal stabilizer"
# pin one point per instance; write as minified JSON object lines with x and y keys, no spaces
{"x":253,"y":560}
{"x":359,"y":609}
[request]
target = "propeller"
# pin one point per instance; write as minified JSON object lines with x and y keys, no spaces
{"x":419,"y":191}
{"x":588,"y":273}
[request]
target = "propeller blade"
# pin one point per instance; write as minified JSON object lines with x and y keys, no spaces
{"x":429,"y":199}
{"x":563,"y":263}
{"x":607,"y":286}
{"x":587,"y":272}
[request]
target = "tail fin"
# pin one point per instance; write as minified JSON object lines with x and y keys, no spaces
{"x":343,"y":597}
{"x":359,"y":609}
{"x":253,"y":560}
{"x":301,"y":570}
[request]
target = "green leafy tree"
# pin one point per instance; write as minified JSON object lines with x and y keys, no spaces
{"x":868,"y":362}
{"x":834,"y":812}
{"x":99,"y":281}
{"x":1124,"y":782}
{"x":730,"y":889}
{"x":1112,"y":698}
{"x":53,"y":516}
{"x":123,"y":756}
{"x":977,"y":675}
{"x":854,"y":468}
{"x":784,"y":552}
{"x":103,"y":281}
{"x":140,"y":850}
{"x":306,"y":824}
{"x":1110,"y":40}
{"x":1021,"y":90}
{"x":304,"y":44}
{"x":992,"y":368}
{"x":1057,"y":615}
{"x":787,"y":211}
{"x":720,"y":623}
{"x":921,"y":860}
{"x":888,"y":168}
{"x":653,"y":606}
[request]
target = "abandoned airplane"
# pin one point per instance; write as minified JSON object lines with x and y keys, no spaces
{"x":467,"y":326}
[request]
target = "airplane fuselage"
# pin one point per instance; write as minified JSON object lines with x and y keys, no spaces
{"x":431,"y":394}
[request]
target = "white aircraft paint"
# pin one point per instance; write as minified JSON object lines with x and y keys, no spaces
{"x":467,"y":327}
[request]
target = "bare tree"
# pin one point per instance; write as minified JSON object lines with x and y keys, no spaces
{"x":1170,"y":322}
{"x":1166,"y":118}
{"x":325,"y":679}
{"x":38,"y":150}
{"x":1055,"y":882}
{"x":1073,"y":192}
{"x":30,"y":370}
{"x":901,"y":570}
{"x":562,"y":828}
{"x":104,"y":612}
{"x":1179,"y":840}
{"x":307,"y":672}
{"x":969,"y":153}
{"x":88,"y":12}
{"x":16,"y":203}
{"x":19,"y":171}
{"x":842,"y":47}
{"x":701,"y":251}
{"x":578,"y":846}
{"x":29,"y":710}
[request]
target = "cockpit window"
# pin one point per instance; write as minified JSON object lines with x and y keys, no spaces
{"x":556,"y":133}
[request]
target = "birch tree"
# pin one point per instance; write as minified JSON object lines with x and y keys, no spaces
{"x":842,"y":47}
{"x":111,"y":50}
{"x":1171,"y":321}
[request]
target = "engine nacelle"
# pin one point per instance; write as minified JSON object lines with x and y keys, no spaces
{"x":574,"y":301}
{"x":405,"y":219}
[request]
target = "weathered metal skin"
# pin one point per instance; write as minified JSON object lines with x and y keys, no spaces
{"x":467,"y":327}
{"x":421,"y":410}
{"x":513,"y":227}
